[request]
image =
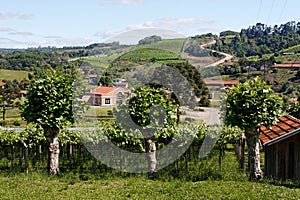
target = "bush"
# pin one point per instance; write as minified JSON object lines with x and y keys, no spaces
{"x":3,"y":123}
{"x":17,"y":123}
{"x":204,"y":102}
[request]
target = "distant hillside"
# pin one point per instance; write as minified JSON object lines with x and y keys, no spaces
{"x":260,"y":39}
{"x":145,"y":56}
{"x":29,"y":60}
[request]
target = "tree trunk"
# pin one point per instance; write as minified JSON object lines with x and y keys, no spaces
{"x":178,"y":115}
{"x":151,"y":158}
{"x":26,"y":160}
{"x":53,"y":159}
{"x":253,"y":154}
{"x":240,"y":153}
{"x":26,"y":152}
{"x":4,"y":113}
{"x":221,"y":156}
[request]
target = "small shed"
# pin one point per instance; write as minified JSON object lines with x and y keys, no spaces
{"x":281,"y":144}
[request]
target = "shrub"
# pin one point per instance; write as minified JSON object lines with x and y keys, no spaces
{"x":3,"y":123}
{"x":17,"y":123}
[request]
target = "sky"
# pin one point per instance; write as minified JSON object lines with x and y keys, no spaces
{"x":34,"y":23}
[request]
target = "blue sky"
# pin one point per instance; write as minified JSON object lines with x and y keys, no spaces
{"x":33,"y":23}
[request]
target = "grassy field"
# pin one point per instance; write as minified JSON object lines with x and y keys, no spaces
{"x":102,"y":61}
{"x":146,"y":54}
{"x":44,"y":187}
{"x":99,"y":111}
{"x":12,"y":115}
{"x":230,"y":185}
{"x":173,"y":45}
{"x":12,"y":75}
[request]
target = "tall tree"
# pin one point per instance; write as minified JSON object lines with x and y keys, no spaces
{"x":248,"y":106}
{"x":49,"y":104}
{"x":151,"y":110}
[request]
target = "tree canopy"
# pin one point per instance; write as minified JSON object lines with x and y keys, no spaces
{"x":260,"y":39}
{"x":248,"y":106}
{"x":50,"y":103}
{"x":150,"y":39}
{"x":251,"y":104}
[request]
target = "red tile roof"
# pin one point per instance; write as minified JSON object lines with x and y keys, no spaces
{"x":286,"y":126}
{"x":103,"y":90}
{"x":23,"y":91}
{"x":2,"y":84}
{"x":287,"y":65}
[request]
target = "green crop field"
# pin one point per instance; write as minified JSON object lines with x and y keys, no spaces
{"x":12,"y":75}
{"x":147,"y":54}
{"x":174,"y":45}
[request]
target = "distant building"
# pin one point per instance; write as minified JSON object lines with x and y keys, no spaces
{"x":2,"y":84}
{"x":292,"y":64}
{"x":23,"y":93}
{"x":107,"y":96}
{"x":281,"y":144}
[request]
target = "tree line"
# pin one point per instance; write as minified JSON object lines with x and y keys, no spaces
{"x":259,"y":39}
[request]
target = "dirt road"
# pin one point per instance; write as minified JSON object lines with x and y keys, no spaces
{"x":227,"y":56}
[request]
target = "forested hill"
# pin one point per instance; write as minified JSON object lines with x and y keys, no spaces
{"x":259,"y":39}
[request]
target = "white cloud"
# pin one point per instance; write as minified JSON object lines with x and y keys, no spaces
{"x":51,"y":37}
{"x":122,"y":2}
{"x":10,"y":43}
{"x":171,"y":23}
{"x":148,"y":24}
{"x":8,"y":15}
{"x":131,"y":2}
{"x":21,"y":33}
{"x":107,"y":34}
{"x":71,"y":42}
{"x":133,"y":36}
{"x":44,"y":42}
{"x":15,"y":15}
{"x":209,"y":30}
{"x":165,"y":27}
{"x":182,"y":22}
{"x":25,"y":16}
{"x":6,"y":29}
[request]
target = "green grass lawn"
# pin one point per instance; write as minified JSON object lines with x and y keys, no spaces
{"x":12,"y":75}
{"x":13,"y":115}
{"x":138,"y":187}
{"x":98,"y":111}
{"x":232,"y":184}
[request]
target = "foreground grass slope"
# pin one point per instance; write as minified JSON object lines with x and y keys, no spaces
{"x":230,"y":184}
{"x":45,"y":187}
